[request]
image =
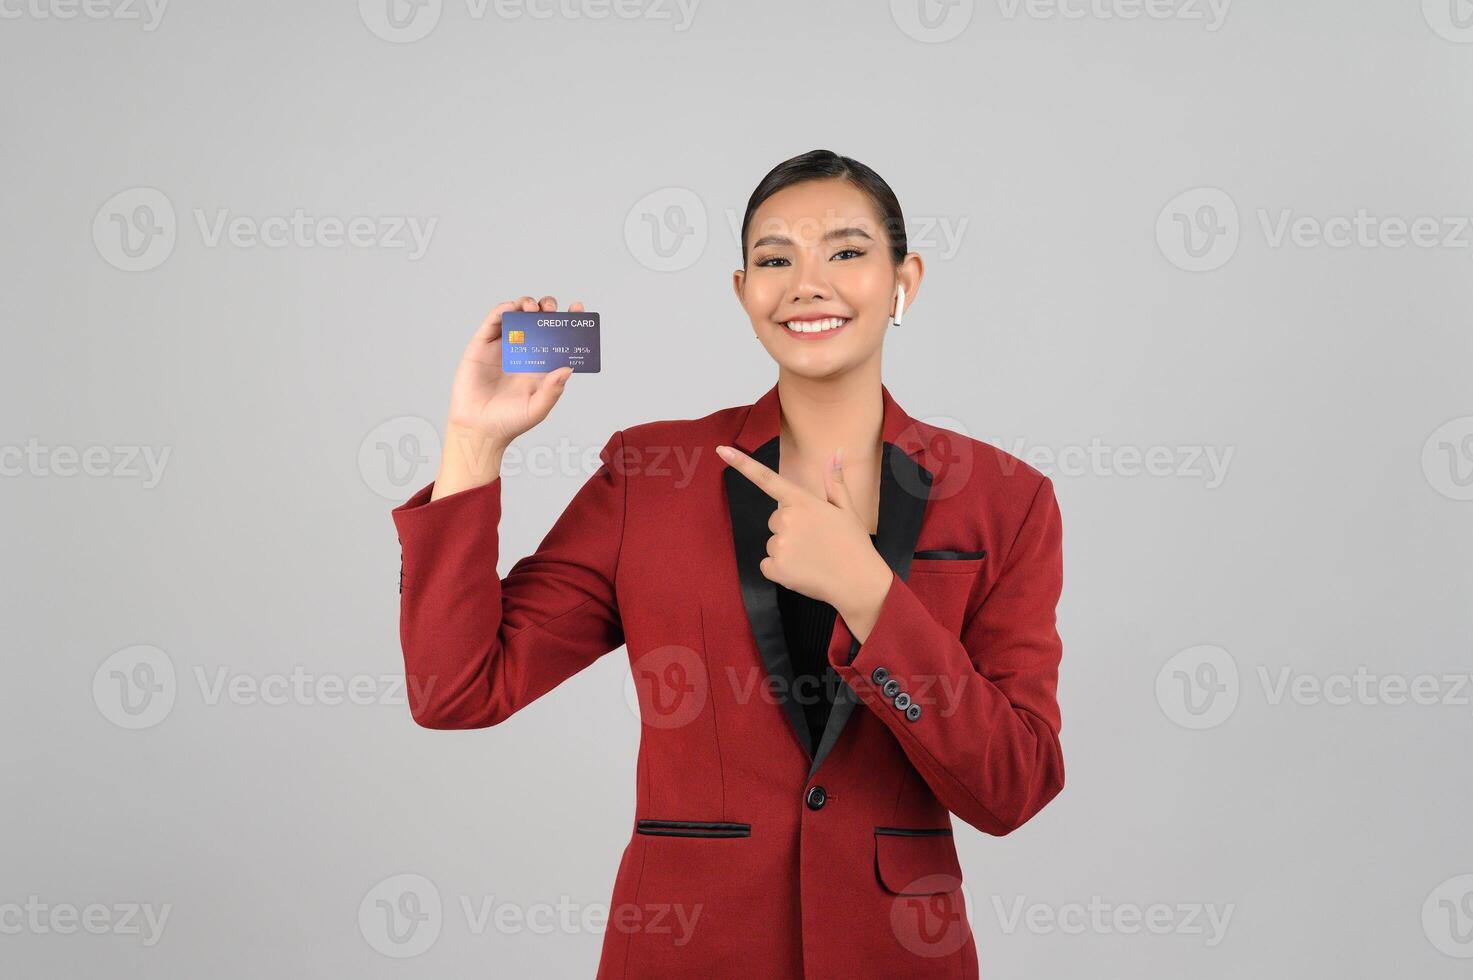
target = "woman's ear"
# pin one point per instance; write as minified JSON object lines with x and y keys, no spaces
{"x":737,"y":278}
{"x":912,"y":270}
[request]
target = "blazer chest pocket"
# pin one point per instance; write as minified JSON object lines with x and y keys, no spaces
{"x":692,"y":828}
{"x":916,"y":861}
{"x":943,"y":580}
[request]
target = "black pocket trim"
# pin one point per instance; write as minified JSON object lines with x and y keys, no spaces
{"x":914,"y":831}
{"x":692,"y":828}
{"x":950,"y":555}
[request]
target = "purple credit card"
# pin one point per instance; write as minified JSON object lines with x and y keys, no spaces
{"x":548,"y":341}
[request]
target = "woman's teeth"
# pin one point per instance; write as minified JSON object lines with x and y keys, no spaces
{"x":815,"y":326}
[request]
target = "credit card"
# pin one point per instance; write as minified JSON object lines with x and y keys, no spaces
{"x":548,"y":341}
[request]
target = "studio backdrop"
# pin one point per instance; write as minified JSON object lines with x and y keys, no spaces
{"x":1203,"y":263}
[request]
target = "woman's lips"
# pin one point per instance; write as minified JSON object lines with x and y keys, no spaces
{"x":815,"y":334}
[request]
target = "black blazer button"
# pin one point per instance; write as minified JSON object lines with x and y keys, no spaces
{"x":913,"y":712}
{"x":902,"y":700}
{"x":879,"y":675}
{"x":817,"y":797}
{"x":891,"y":688}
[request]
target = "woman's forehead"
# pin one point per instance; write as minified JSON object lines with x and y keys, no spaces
{"x":814,"y":211}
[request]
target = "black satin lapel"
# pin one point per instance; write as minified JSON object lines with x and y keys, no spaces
{"x":905,"y":486}
{"x":751,"y":509}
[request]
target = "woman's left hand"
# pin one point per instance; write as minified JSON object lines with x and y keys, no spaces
{"x":819,"y":546}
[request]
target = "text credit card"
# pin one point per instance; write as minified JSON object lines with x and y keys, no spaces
{"x":548,"y":341}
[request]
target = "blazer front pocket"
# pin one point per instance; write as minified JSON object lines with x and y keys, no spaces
{"x":692,"y":828}
{"x":943,"y":554}
{"x":943,"y":580}
{"x":919,"y":861}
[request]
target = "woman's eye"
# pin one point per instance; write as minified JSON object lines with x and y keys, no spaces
{"x":843,"y":250}
{"x":768,"y":261}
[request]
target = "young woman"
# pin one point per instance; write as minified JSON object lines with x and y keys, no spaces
{"x":840,"y":619}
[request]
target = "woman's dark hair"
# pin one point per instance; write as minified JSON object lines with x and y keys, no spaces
{"x":825,"y":165}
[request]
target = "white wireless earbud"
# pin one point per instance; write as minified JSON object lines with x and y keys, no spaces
{"x":899,"y":305}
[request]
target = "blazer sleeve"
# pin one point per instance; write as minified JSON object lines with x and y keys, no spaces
{"x":987,"y":738}
{"x":477,"y":647}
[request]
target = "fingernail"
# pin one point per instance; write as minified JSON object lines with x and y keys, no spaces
{"x":723,"y":452}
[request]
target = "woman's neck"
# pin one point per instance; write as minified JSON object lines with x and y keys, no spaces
{"x":821,"y":416}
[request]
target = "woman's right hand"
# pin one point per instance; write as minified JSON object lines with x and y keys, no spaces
{"x":489,"y":407}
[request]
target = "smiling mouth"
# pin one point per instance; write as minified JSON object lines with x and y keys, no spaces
{"x":815,"y":328}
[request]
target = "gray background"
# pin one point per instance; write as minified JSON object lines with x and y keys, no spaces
{"x":1068,"y":319}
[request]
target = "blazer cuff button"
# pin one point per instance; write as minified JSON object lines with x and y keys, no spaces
{"x":913,"y":712}
{"x":902,"y":700}
{"x":879,"y":675}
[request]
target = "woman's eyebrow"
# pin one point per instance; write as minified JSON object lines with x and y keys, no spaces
{"x":829,"y":236}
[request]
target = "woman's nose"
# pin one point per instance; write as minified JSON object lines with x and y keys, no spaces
{"x":811,"y":279}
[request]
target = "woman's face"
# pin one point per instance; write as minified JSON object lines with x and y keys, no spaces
{"x":817,"y":252}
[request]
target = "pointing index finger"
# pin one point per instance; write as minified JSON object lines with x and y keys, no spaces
{"x":779,"y":488}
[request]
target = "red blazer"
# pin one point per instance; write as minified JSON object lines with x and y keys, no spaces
{"x":782,"y":859}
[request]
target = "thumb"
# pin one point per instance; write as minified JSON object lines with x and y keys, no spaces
{"x":833,"y":482}
{"x":547,"y":392}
